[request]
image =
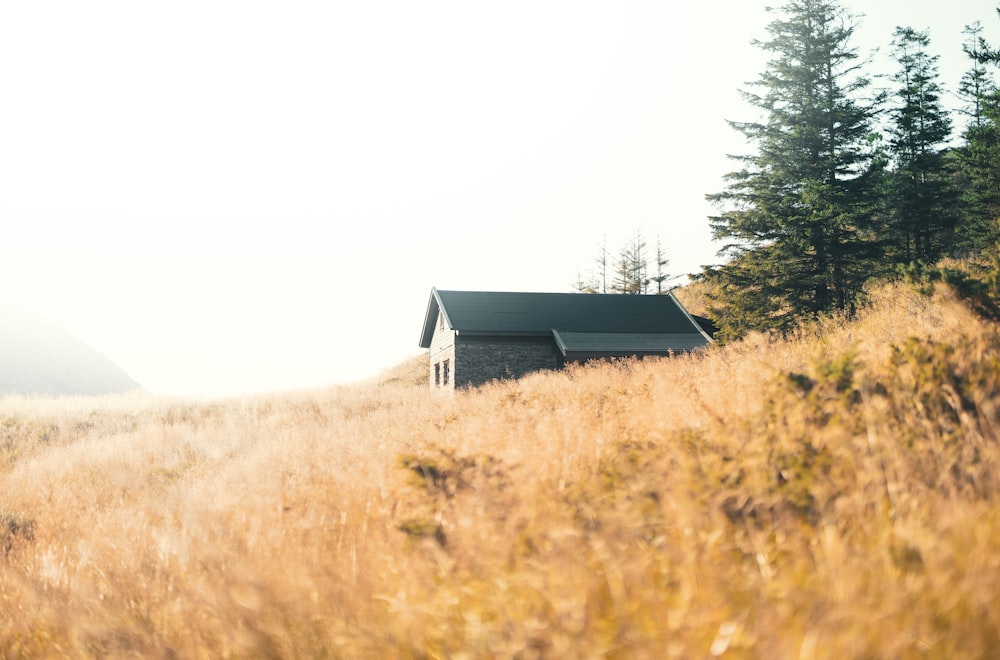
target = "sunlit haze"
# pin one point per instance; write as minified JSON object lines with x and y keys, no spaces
{"x":235,"y":197}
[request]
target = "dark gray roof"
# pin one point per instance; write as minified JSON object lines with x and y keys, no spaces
{"x":632,"y":323}
{"x":584,"y":344}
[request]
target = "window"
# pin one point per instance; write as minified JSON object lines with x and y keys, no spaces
{"x":447,"y":367}
{"x":440,"y":321}
{"x":437,"y":374}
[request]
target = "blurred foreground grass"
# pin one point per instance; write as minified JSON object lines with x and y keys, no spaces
{"x":834,"y":494}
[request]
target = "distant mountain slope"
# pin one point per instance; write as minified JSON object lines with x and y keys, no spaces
{"x":39,"y":357}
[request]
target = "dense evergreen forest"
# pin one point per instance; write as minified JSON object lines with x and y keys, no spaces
{"x":846,"y":183}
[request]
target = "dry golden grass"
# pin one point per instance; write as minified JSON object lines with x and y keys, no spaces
{"x":832,"y":495}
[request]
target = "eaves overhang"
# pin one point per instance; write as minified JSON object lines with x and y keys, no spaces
{"x":501,"y":334}
{"x":686,"y":313}
{"x":434,"y":306}
{"x":585,"y":345}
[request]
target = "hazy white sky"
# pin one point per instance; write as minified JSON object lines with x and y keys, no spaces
{"x":231,"y":197}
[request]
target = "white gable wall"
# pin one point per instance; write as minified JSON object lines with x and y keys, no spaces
{"x":442,"y":355}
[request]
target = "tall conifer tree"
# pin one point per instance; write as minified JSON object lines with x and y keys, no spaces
{"x":798,"y":218}
{"x":921,"y":197}
{"x":979,"y":157}
{"x":977,"y":83}
{"x":662,"y":276}
{"x":630,"y":268}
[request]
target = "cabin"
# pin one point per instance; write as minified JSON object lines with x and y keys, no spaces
{"x":475,"y":337}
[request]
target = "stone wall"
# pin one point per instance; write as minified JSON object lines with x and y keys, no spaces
{"x":479,"y":362}
{"x":468,"y":362}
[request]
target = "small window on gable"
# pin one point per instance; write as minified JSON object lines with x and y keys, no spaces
{"x":447,"y":369}
{"x":437,"y":374}
{"x":440,"y":320}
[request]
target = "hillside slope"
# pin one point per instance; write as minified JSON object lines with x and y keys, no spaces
{"x":39,"y":357}
{"x":835,"y":494}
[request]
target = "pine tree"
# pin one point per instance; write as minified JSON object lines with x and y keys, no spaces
{"x":630,"y":268}
{"x":661,"y":262}
{"x":601,"y":285}
{"x":977,"y":83}
{"x":921,"y":198}
{"x":978,"y":159}
{"x":799,"y":218}
{"x":584,"y":285}
{"x":639,"y":265}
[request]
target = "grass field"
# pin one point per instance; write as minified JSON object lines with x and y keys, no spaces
{"x":834,"y":494}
